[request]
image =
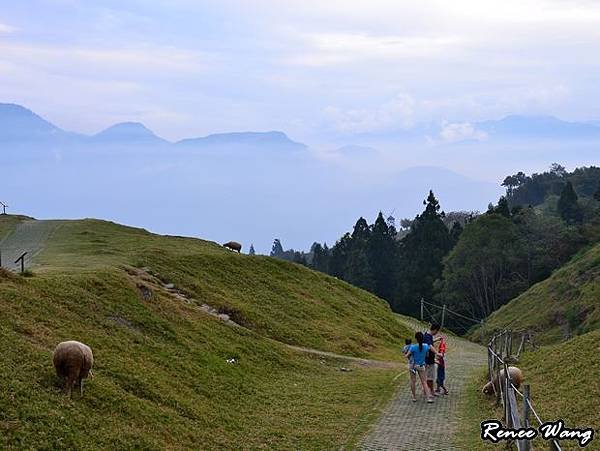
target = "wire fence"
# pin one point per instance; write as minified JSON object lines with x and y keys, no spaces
{"x":500,"y":355}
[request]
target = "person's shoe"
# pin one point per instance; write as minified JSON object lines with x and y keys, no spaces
{"x":414,"y":400}
{"x":445,"y":391}
{"x":429,"y":400}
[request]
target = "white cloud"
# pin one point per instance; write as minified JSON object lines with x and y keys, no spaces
{"x":461,"y":131}
{"x":6,"y":28}
{"x":398,"y":113}
{"x":101,"y":61}
{"x":335,"y":48}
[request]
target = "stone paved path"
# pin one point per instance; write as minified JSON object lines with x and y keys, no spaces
{"x":409,"y":426}
{"x":28,"y":236}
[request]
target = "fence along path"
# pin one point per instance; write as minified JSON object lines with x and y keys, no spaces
{"x":500,"y":353}
{"x":28,"y":236}
{"x":405,"y":425}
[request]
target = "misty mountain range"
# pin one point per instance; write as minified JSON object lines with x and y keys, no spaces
{"x":256,"y":186}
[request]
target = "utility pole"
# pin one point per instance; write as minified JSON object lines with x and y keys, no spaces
{"x":443,"y":315}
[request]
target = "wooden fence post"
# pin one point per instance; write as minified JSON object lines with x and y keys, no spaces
{"x":526,"y":400}
{"x":507,"y":387}
{"x":521,"y":344}
{"x":22,"y":260}
{"x":421,"y":309}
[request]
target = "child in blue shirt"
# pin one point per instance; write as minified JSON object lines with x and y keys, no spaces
{"x":405,"y":350}
{"x":419,"y":352}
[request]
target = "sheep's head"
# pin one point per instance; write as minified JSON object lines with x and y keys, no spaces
{"x":488,"y":389}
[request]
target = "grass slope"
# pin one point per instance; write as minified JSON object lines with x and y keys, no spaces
{"x":561,"y":306}
{"x":564,"y":385}
{"x":162,"y":379}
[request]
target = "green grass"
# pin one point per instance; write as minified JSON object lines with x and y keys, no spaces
{"x":162,"y":380}
{"x":8,"y":223}
{"x":277,"y":299}
{"x":564,"y":305}
{"x":564,"y":385}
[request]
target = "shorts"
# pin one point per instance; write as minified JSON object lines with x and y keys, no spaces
{"x":417,"y":369}
{"x":430,"y":371}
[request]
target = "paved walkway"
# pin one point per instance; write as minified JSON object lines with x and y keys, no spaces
{"x":405,"y":425}
{"x":28,"y":236}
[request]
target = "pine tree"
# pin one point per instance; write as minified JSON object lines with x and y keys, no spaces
{"x":382,"y":255}
{"x":251,"y":251}
{"x":277,"y":249}
{"x":320,"y":259}
{"x":339,"y":256}
{"x":421,"y":254}
{"x":597,"y":193}
{"x":567,"y":206}
{"x":455,"y":232}
{"x":358,"y":270}
{"x":502,"y":207}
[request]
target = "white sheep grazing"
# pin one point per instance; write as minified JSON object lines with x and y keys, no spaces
{"x":73,"y":361}
{"x":516,"y":377}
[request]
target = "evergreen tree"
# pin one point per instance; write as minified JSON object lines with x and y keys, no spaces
{"x":251,"y":251}
{"x":455,"y":232}
{"x":358,"y":270}
{"x":597,"y":193}
{"x":421,"y":254}
{"x":277,"y":249}
{"x":299,"y":257}
{"x":339,"y":256}
{"x":320,"y":260}
{"x":567,"y":206}
{"x":382,"y":257}
{"x":503,"y":208}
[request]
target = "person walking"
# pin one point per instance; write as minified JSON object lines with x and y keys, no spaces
{"x":418,"y":353}
{"x":429,"y":338}
{"x":441,"y":368}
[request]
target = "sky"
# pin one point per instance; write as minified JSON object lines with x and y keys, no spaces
{"x":323,"y":72}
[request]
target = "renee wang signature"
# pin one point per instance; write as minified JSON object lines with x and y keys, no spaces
{"x":493,"y":431}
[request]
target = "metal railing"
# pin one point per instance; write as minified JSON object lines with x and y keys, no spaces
{"x":500,"y":355}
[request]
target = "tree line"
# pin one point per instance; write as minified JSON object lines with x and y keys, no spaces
{"x":472,"y":262}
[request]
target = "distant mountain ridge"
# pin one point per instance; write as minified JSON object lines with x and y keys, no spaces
{"x":19,"y":124}
{"x":242,"y":138}
{"x":132,"y":132}
{"x":517,"y":126}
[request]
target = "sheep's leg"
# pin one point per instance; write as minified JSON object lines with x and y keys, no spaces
{"x":69,"y":387}
{"x":80,"y":387}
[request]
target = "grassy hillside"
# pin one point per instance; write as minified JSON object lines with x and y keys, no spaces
{"x":563,"y":380}
{"x":162,"y":377}
{"x":561,"y":306}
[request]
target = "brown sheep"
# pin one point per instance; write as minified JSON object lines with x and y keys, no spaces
{"x":73,"y":361}
{"x":516,"y":377}
{"x":234,"y":246}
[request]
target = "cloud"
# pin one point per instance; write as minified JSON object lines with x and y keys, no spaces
{"x":396,"y":114}
{"x":6,"y":28}
{"x":147,"y":60}
{"x":461,"y":131}
{"x":339,"y":48}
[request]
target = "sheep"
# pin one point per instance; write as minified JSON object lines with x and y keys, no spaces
{"x":516,"y":377}
{"x":234,"y":246}
{"x":73,"y":361}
